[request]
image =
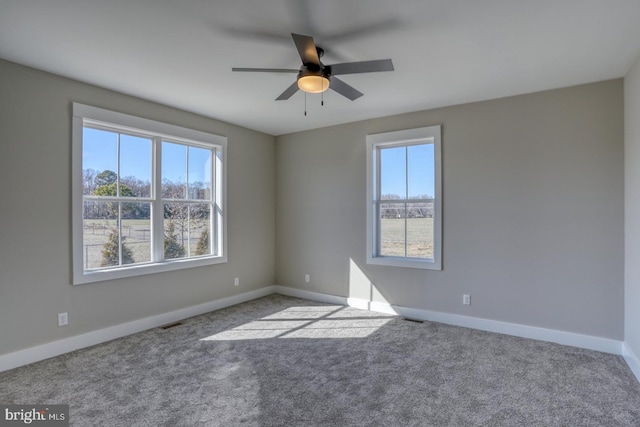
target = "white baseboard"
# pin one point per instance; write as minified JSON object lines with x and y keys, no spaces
{"x":56,"y":348}
{"x":314,"y":296}
{"x":632,"y":360}
{"x":45,"y":351}
{"x":589,"y":342}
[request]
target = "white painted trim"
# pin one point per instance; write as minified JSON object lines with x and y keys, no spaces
{"x":136,"y":123}
{"x":632,"y":360}
{"x":382,"y":307}
{"x":314,"y":296}
{"x":589,"y":342}
{"x":56,"y":348}
{"x":359,"y":303}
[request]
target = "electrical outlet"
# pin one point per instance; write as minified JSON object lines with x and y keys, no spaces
{"x":307,"y":278}
{"x":466,"y":299}
{"x":63,"y":319}
{"x":236,"y":281}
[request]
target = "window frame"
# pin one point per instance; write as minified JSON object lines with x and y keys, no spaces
{"x":402,"y":138}
{"x":129,"y":124}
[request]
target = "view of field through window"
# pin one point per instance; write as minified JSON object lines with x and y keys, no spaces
{"x":405,"y":201}
{"x":417,"y":233}
{"x":118,"y":199}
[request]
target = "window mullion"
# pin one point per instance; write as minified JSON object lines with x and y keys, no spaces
{"x":378,"y":220}
{"x":406,"y":197}
{"x":157,"y":210}
{"x":214,"y":248}
{"x":119,"y":222}
{"x":186,"y":184}
{"x":118,"y":164}
{"x":188,"y":248}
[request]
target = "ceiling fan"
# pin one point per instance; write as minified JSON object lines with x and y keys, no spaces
{"x":316,"y":77}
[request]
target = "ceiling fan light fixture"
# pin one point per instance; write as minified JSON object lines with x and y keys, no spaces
{"x":315,"y":77}
{"x":313,"y":83}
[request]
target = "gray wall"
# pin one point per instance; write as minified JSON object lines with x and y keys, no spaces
{"x":35,"y":233}
{"x":632,"y":208}
{"x":533,"y":211}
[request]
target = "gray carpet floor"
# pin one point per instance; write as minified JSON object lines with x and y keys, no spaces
{"x":281,"y":361}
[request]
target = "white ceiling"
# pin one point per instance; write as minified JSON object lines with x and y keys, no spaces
{"x":445,"y":52}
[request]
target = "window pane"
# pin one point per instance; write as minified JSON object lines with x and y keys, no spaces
{"x":421,"y":171}
{"x":187,"y":230}
{"x":99,"y":219}
{"x":99,"y":159}
{"x":176,"y":230}
{"x":200,"y":173}
{"x":135,"y":166}
{"x":200,"y":229}
{"x":136,"y":231}
{"x":104,"y":238}
{"x":420,"y":230}
{"x":392,"y":229}
{"x":174,"y":170}
{"x":393,"y":173}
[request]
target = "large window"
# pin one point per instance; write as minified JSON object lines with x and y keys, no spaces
{"x":404,"y":220}
{"x":147,"y":196}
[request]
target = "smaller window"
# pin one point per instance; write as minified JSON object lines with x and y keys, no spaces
{"x":404,"y":209}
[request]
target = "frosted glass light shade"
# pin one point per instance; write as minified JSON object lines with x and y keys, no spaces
{"x":313,"y":83}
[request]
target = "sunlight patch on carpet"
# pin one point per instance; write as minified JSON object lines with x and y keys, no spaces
{"x":314,"y":322}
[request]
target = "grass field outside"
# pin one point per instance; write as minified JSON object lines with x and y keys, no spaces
{"x":419,"y":237}
{"x":137,"y":237}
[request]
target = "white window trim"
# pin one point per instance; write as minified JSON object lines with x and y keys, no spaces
{"x":403,"y":137}
{"x":172,"y":133}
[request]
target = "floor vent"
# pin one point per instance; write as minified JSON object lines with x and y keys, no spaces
{"x":408,"y":319}
{"x":170,"y":325}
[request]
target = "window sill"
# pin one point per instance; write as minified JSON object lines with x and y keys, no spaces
{"x":423,"y":264}
{"x":144,"y":269}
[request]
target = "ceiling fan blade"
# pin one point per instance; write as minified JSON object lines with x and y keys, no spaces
{"x":344,"y":89}
{"x":362,"y":67}
{"x":306,"y":48}
{"x":266,"y":70}
{"x":288,"y":92}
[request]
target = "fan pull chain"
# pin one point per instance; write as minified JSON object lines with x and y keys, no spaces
{"x":322,"y":98}
{"x":305,"y":103}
